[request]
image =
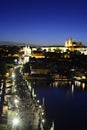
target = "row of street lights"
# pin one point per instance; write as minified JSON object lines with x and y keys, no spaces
{"x":16,"y":120}
{"x":13,"y":121}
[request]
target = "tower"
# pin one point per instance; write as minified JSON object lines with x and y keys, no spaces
{"x":27,"y":53}
{"x":68,"y":43}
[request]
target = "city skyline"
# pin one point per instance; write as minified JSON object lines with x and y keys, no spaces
{"x":43,"y":22}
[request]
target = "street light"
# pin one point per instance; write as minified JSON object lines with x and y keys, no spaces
{"x":16,"y":101}
{"x":13,"y":75}
{"x":42,"y":113}
{"x":39,"y":106}
{"x":15,"y":121}
{"x":43,"y":120}
{"x":38,"y":101}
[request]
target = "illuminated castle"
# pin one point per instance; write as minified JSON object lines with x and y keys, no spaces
{"x":70,"y":43}
{"x":39,"y":53}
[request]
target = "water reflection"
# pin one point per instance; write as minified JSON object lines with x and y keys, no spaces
{"x":65,"y":102}
{"x":70,"y":85}
{"x":67,"y":85}
{"x":60,"y":83}
{"x":55,"y":84}
{"x":83,"y":86}
{"x":77,"y":83}
{"x":72,"y":88}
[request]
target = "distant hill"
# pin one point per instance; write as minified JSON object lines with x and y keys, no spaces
{"x":10,"y":43}
{"x":15,"y":43}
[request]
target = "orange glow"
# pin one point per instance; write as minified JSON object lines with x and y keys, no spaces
{"x":7,"y":74}
{"x":83,"y":86}
{"x":83,"y":77}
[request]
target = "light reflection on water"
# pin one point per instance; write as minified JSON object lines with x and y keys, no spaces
{"x":65,"y":103}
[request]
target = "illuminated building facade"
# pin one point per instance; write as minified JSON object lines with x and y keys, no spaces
{"x":69,"y":45}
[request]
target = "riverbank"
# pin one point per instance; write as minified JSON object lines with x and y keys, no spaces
{"x":39,"y":77}
{"x":46,"y":77}
{"x":53,"y":78}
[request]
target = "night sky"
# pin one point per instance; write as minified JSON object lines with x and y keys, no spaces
{"x":47,"y":22}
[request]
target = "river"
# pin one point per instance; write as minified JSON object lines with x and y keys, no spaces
{"x":65,"y":103}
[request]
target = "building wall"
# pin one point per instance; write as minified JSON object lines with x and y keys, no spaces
{"x":40,"y":71}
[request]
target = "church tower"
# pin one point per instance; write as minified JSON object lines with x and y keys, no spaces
{"x":27,"y":53}
{"x":69,"y":43}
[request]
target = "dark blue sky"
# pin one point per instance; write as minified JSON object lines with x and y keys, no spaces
{"x":43,"y":21}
